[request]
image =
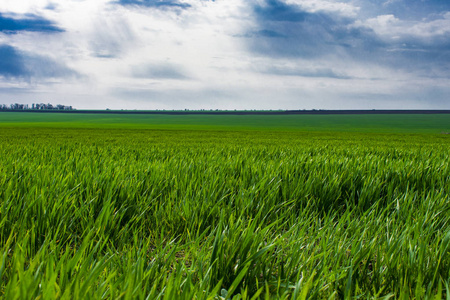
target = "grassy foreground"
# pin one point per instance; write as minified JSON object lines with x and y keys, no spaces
{"x":148,"y":214}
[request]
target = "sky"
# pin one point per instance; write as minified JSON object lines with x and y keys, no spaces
{"x":226,"y":54}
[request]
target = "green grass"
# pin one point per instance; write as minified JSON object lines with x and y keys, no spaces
{"x":337,"y":123}
{"x":182,"y":214}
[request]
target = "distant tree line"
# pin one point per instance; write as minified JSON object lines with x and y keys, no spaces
{"x":35,"y":106}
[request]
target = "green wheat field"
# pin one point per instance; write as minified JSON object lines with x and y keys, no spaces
{"x":224,"y":207}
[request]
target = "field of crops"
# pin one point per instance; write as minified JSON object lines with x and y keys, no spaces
{"x":201,"y":214}
{"x":400,"y":123}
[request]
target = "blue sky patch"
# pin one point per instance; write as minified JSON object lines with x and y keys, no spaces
{"x":27,"y":23}
{"x":154,"y":3}
{"x":320,"y":34}
{"x":15,"y":64}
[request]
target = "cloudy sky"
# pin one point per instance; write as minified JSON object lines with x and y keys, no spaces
{"x":226,"y":54}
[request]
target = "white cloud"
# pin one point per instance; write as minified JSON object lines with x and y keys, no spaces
{"x":137,"y":57}
{"x":339,"y":7}
{"x":23,"y":6}
{"x":391,"y":27}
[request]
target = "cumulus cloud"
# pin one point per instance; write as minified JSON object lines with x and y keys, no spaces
{"x":393,"y":28}
{"x":335,"y":7}
{"x":420,"y":46}
{"x":407,"y":9}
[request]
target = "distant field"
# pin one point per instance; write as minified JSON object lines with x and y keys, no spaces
{"x":389,"y":123}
